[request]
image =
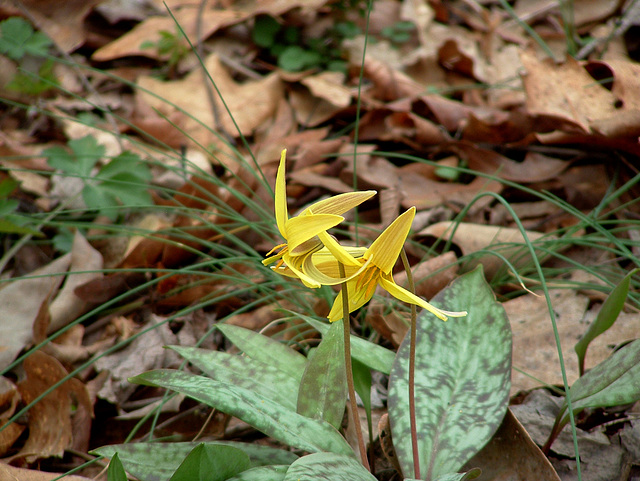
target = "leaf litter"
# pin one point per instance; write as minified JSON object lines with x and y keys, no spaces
{"x":468,"y":90}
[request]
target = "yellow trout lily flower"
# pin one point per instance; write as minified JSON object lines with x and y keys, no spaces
{"x":301,"y":232}
{"x":374,"y":268}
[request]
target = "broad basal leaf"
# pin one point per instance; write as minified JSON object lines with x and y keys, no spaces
{"x":245,"y":372}
{"x":463,"y":369}
{"x":266,"y":350}
{"x":323,"y":389}
{"x":327,"y":466}
{"x":260,"y":412}
{"x":158,"y":461}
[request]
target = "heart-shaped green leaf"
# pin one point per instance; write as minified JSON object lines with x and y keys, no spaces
{"x":256,"y":410}
{"x":327,"y":466}
{"x":207,"y":462}
{"x":323,"y":389}
{"x":462,"y":380}
{"x":245,"y":372}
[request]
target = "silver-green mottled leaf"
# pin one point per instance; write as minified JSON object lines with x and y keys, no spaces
{"x":613,"y":382}
{"x":327,"y":466}
{"x":158,"y":461}
{"x":262,"y":473}
{"x":463,"y":370}
{"x":606,"y":317}
{"x":258,"y":411}
{"x":244,"y":372}
{"x":208,"y":462}
{"x":266,"y":350}
{"x":368,"y":353}
{"x":323,"y":389}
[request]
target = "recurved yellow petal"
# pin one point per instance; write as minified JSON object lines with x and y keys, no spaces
{"x":386,"y":248}
{"x":304,"y":227}
{"x":341,"y":203}
{"x":404,"y":295}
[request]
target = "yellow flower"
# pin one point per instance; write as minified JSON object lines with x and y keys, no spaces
{"x":301,"y":232}
{"x":374,"y":268}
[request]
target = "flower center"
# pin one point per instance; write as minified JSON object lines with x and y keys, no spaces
{"x":368,"y":280}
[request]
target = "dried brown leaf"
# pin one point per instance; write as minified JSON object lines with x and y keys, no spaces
{"x":50,"y":419}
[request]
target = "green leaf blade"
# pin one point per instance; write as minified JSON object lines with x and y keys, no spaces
{"x":258,"y":411}
{"x":158,"y":461}
{"x":327,"y":466}
{"x":244,"y":372}
{"x":463,"y":370}
{"x":608,"y":314}
{"x":266,"y":350}
{"x":323,"y":389}
{"x":208,"y":462}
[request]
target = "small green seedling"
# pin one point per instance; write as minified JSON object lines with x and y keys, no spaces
{"x":120,"y":182}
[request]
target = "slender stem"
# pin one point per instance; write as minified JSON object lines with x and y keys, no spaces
{"x":349,"y":370}
{"x":412,"y":370}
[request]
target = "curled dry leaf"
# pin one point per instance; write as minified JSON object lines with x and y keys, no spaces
{"x":20,"y":474}
{"x":509,"y":443}
{"x":52,"y":419}
{"x":23,"y":309}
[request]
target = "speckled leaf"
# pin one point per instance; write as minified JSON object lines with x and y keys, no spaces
{"x":323,"y":389}
{"x":266,"y":350}
{"x":613,"y":382}
{"x":327,"y":466}
{"x":260,"y":412}
{"x":262,"y":473}
{"x":368,"y":353}
{"x":244,"y":372}
{"x":463,"y":369}
{"x":158,"y":461}
{"x":207,"y":462}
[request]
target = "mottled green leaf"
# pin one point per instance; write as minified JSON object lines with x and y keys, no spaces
{"x":258,"y":411}
{"x":368,"y":353}
{"x":613,"y":382}
{"x":245,"y":372}
{"x":266,"y":350}
{"x":463,"y":370}
{"x":115,"y":471}
{"x":323,"y":389}
{"x":327,"y":466}
{"x":158,"y":461}
{"x":262,"y":473}
{"x":606,"y":317}
{"x":209,"y":462}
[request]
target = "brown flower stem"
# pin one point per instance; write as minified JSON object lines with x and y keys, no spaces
{"x":412,"y":370}
{"x":349,"y":369}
